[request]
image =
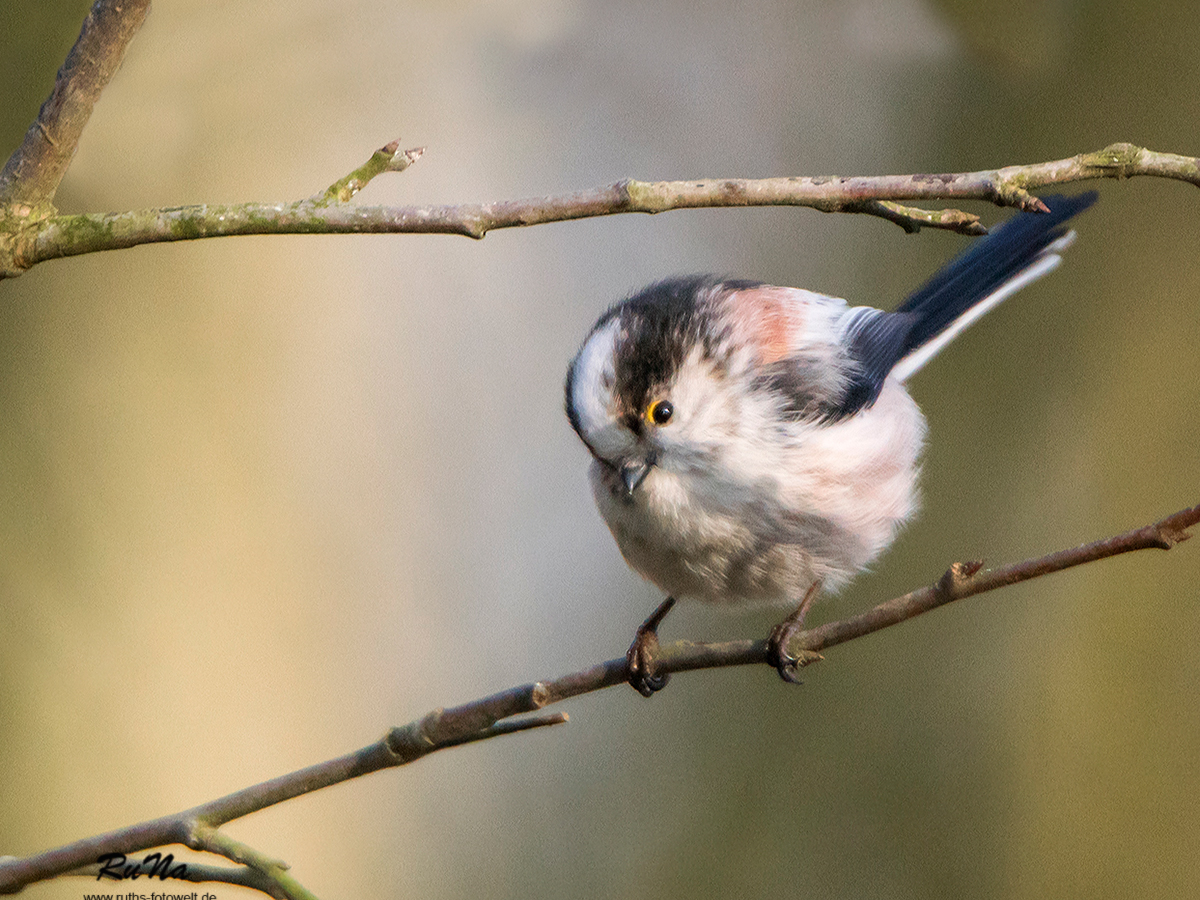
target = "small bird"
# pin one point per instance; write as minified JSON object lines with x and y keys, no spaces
{"x":756,"y":444}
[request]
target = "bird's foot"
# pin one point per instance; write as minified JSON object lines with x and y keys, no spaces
{"x":640,"y":658}
{"x":787,"y":663}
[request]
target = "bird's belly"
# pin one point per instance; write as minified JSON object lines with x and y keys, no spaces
{"x":706,"y":555}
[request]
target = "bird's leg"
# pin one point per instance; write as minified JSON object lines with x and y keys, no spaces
{"x":785,"y":662}
{"x":640,"y":657}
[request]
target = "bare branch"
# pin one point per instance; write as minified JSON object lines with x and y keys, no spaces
{"x":197,"y":828}
{"x":481,"y":719}
{"x":960,"y":581}
{"x":72,"y":235}
{"x":32,"y":174}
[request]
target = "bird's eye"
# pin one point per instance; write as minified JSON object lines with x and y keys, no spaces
{"x":659,"y":412}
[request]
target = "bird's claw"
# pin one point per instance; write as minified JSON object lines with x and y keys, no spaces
{"x":640,"y":661}
{"x":786,"y":663}
{"x":640,"y":658}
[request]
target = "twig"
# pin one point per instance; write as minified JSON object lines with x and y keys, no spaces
{"x":388,"y":158}
{"x":481,"y":719}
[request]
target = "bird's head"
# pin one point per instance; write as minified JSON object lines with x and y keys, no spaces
{"x":649,"y":388}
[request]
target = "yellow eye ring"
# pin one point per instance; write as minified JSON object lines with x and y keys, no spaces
{"x":659,"y":412}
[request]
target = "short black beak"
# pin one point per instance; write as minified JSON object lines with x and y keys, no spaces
{"x":633,"y":473}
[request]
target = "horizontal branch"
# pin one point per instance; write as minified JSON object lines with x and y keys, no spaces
{"x":71,"y":235}
{"x":485,"y":718}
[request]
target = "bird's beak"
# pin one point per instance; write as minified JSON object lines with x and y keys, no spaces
{"x":633,"y":473}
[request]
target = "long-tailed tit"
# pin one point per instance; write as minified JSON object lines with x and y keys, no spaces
{"x":753,"y":443}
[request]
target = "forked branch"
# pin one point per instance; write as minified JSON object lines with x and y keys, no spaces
{"x":32,"y":231}
{"x":328,"y":213}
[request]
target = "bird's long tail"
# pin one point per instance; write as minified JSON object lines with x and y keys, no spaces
{"x":1020,"y":251}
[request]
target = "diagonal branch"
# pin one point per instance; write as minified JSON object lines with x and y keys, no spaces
{"x":197,"y":828}
{"x":960,"y":581}
{"x":32,"y":174}
{"x":485,"y":718}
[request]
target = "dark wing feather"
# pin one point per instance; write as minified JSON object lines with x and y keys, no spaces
{"x":877,"y":340}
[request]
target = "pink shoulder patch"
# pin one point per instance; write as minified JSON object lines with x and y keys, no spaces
{"x":772,"y":316}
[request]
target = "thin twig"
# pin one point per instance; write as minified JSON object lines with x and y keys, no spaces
{"x":388,"y":158}
{"x":275,"y":872}
{"x":481,"y":719}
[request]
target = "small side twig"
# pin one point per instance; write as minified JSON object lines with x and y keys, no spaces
{"x":488,"y":717}
{"x":274,"y":872}
{"x":388,"y":158}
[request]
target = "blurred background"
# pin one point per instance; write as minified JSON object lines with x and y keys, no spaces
{"x":262,"y":498}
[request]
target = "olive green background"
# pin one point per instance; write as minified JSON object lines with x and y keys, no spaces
{"x":261,"y":498}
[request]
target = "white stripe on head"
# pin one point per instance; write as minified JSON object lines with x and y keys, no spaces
{"x":592,"y":392}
